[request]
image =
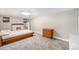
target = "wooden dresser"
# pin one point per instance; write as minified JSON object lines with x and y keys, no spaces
{"x":48,"y":33}
{"x":0,"y":41}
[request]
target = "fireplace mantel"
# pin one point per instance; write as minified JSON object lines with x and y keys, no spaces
{"x":18,"y":26}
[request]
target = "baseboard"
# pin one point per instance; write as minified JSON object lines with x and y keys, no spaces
{"x":38,"y":32}
{"x":55,"y":37}
{"x":61,"y":39}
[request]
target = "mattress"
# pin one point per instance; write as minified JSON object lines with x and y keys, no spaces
{"x":8,"y":34}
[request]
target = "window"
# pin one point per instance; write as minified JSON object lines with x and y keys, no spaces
{"x":6,"y":19}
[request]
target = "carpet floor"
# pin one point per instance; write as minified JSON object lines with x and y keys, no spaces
{"x":37,"y":42}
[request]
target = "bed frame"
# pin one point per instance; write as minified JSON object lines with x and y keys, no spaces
{"x":16,"y":38}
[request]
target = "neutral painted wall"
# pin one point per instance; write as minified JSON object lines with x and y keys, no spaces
{"x":64,"y":23}
{"x":78,"y":25}
{"x":74,"y":42}
{"x":78,"y":21}
{"x":74,"y":39}
{"x":0,"y":24}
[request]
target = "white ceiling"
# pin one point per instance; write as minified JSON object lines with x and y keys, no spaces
{"x":33,"y":11}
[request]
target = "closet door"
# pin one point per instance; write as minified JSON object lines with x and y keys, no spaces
{"x":27,"y":25}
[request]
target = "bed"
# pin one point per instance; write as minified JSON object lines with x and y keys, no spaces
{"x":8,"y":36}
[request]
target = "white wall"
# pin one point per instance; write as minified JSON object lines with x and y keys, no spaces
{"x":64,"y":23}
{"x":0,"y":23}
{"x":74,"y":39}
{"x":78,"y":25}
{"x":74,"y":42}
{"x":78,"y":21}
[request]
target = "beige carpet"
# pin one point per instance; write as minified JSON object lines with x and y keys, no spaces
{"x":37,"y":42}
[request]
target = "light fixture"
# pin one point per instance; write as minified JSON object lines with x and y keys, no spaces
{"x":26,"y":13}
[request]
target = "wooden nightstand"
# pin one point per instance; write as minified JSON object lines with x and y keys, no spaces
{"x":0,"y":41}
{"x":48,"y":33}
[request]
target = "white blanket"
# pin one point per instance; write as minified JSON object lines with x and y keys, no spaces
{"x":8,"y":34}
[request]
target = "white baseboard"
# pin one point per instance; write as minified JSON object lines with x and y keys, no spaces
{"x":38,"y":32}
{"x":61,"y":39}
{"x":55,"y":37}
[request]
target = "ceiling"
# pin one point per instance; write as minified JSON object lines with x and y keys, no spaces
{"x":33,"y":11}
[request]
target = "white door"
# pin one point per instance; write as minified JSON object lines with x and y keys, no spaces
{"x":27,"y":26}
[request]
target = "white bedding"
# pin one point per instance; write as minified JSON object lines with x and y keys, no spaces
{"x":8,"y":34}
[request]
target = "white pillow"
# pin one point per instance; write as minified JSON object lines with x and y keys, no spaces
{"x":5,"y":31}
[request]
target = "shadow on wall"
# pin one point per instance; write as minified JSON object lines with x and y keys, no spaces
{"x":56,"y":34}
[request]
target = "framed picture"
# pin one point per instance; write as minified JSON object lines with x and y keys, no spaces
{"x":6,"y":19}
